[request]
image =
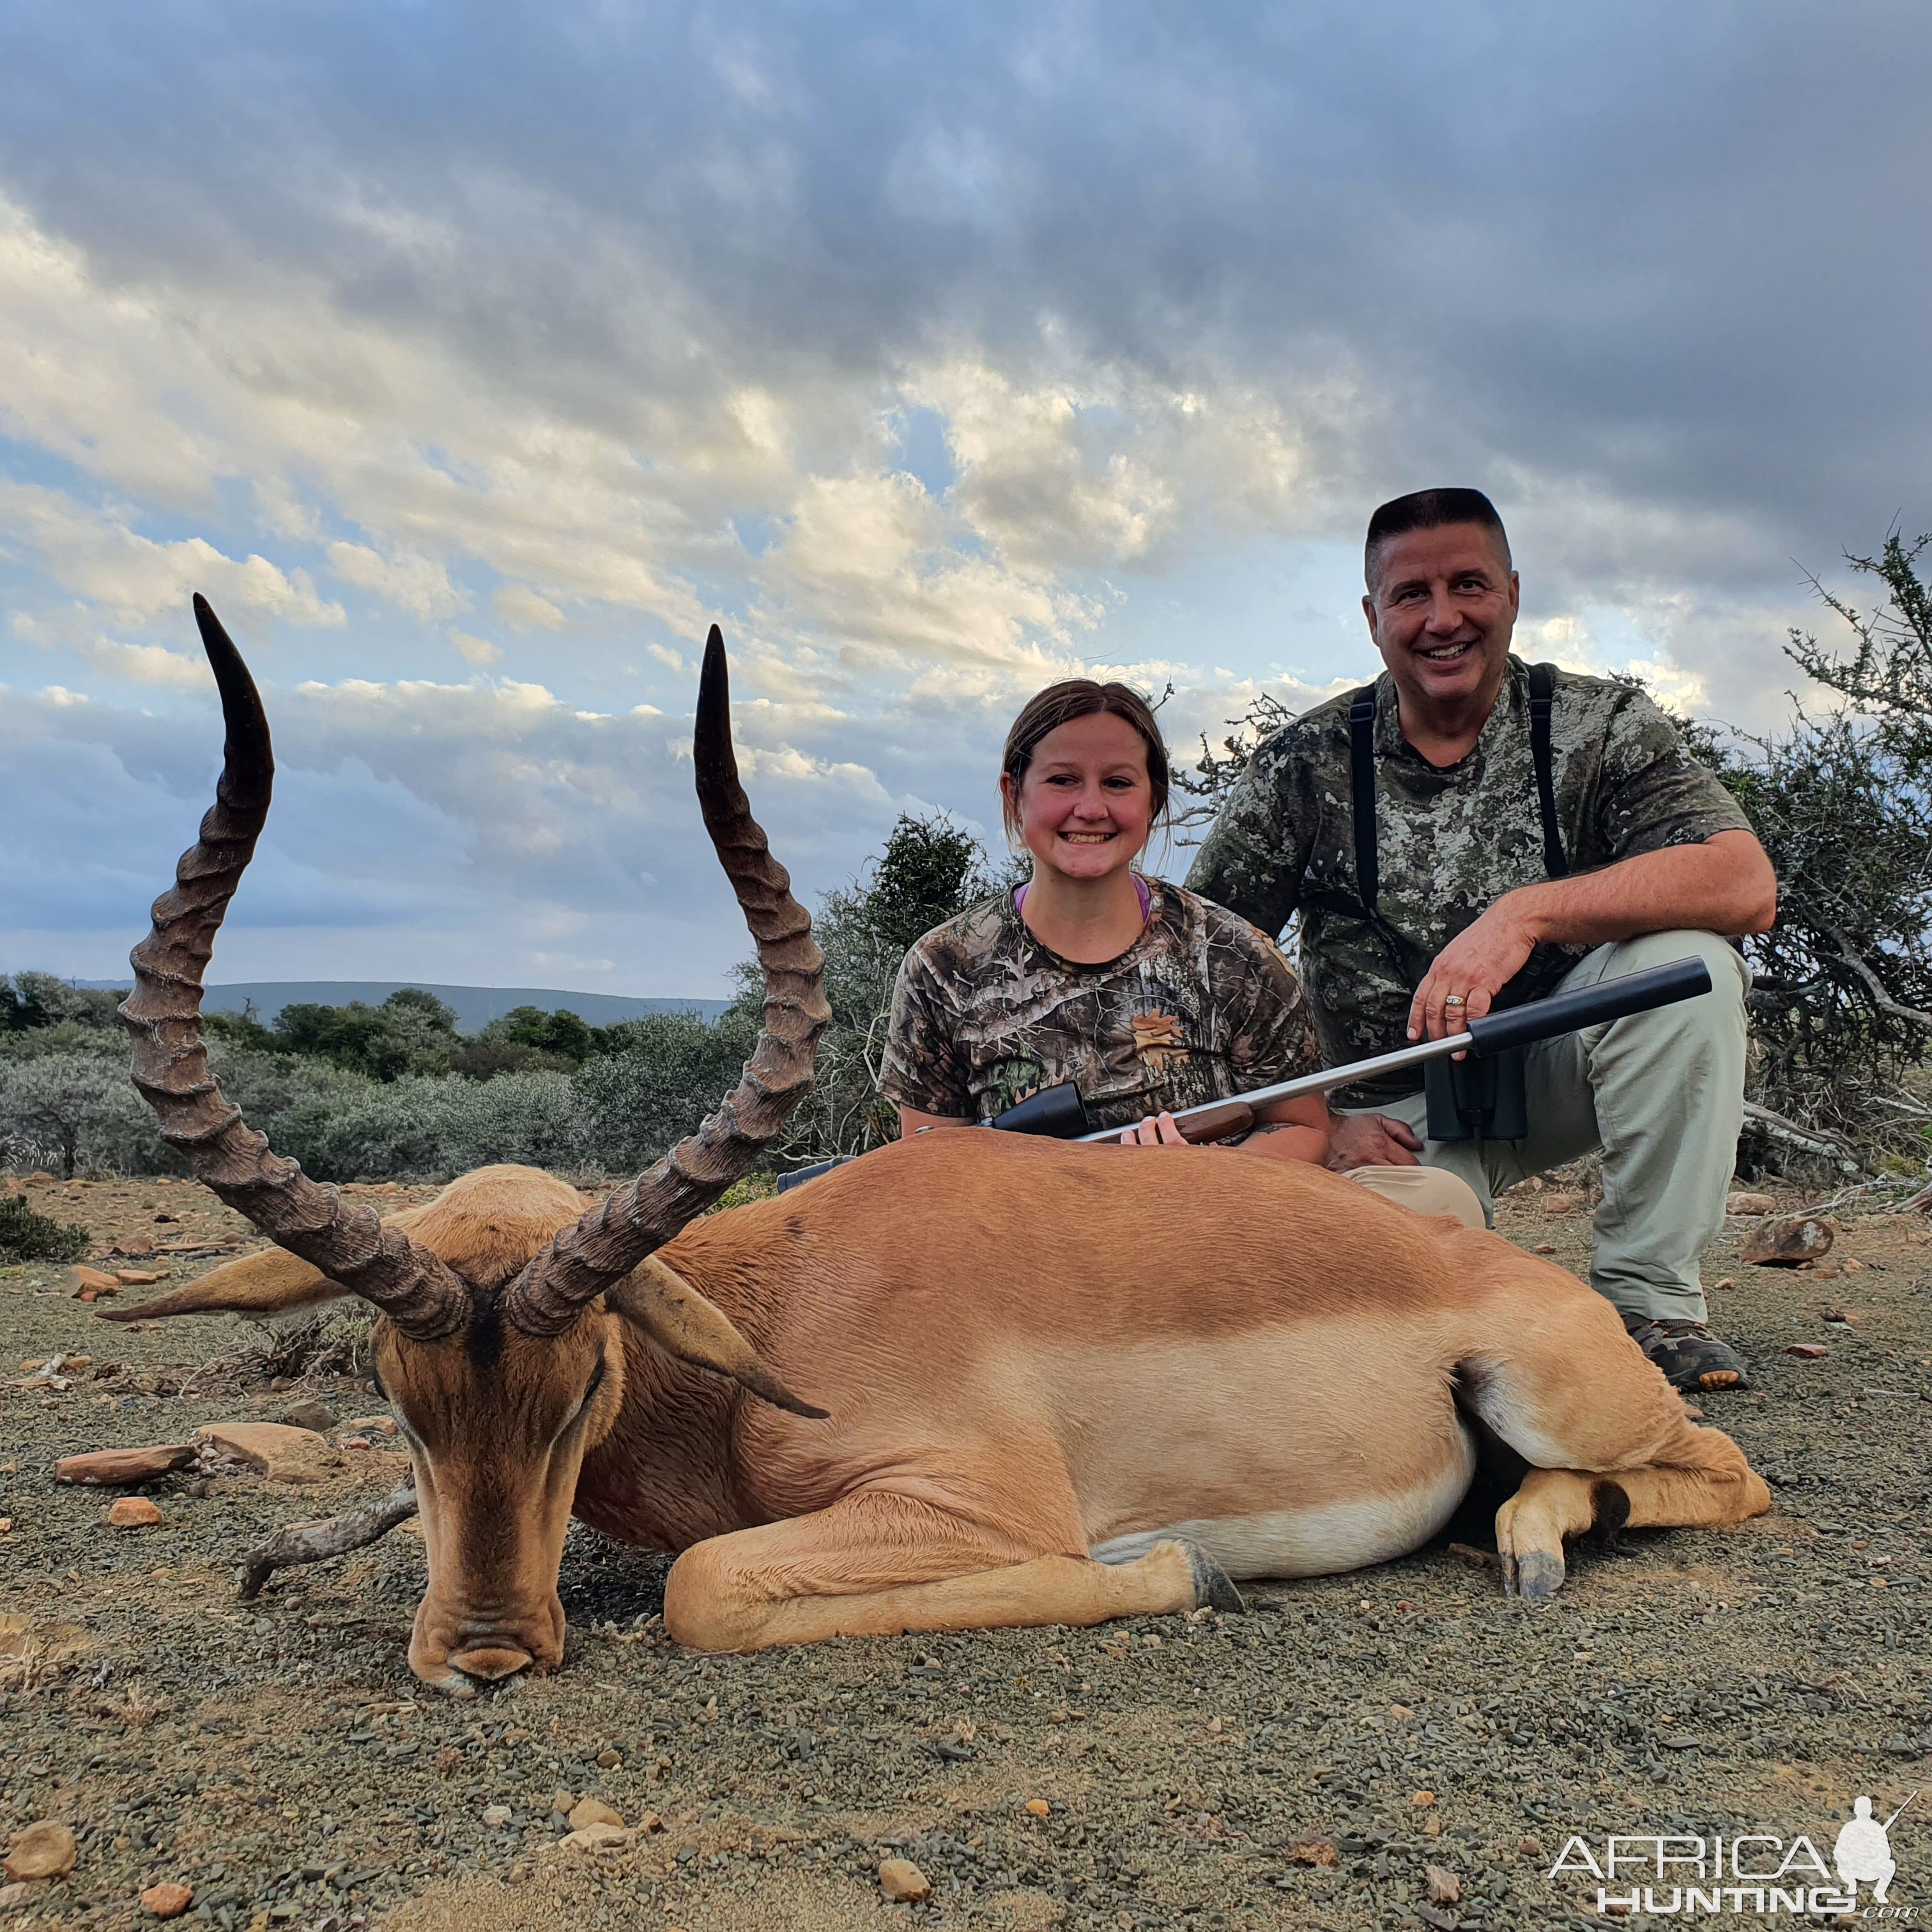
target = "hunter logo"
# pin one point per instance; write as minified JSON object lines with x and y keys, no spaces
{"x":1758,"y":1874}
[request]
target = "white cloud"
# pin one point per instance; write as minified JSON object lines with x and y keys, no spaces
{"x":418,"y":584}
{"x":517,"y":603}
{"x":475,"y":650}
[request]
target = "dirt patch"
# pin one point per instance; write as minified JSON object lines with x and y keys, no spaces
{"x":279,"y":1758}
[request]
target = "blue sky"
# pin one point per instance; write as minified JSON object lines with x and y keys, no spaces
{"x":472,"y":359}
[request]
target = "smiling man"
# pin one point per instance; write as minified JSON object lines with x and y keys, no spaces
{"x":1472,"y":831}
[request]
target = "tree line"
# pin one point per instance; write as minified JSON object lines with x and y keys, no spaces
{"x":1841,"y":1009}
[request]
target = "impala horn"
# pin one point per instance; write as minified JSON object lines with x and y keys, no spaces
{"x":347,"y":1242}
{"x":602,"y":1248}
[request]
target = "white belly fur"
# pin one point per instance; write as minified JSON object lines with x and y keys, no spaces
{"x":1315,"y":1542}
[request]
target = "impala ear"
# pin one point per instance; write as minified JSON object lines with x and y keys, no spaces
{"x":271,"y":1282}
{"x":680,"y":1321}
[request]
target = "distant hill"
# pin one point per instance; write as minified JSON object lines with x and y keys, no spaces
{"x":476,"y":1006}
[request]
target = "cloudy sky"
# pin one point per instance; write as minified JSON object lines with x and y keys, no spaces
{"x":473,"y":358}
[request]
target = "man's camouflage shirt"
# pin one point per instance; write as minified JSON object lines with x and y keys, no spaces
{"x":1451,"y":842}
{"x":1200,"y":1006}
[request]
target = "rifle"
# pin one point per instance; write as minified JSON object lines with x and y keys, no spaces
{"x":1060,"y":1113}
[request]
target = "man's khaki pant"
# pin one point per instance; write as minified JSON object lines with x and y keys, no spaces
{"x":1661,"y":1093}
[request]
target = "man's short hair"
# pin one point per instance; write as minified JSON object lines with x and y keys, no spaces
{"x":1429,"y":510}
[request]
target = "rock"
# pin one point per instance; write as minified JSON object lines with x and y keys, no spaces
{"x":1444,"y":1887}
{"x":136,"y":1277}
{"x":133,"y":1513}
{"x":1852,"y":1265}
{"x":40,"y":1178}
{"x":87,"y":1278}
{"x":1421,"y":1799}
{"x":167,"y":1899}
{"x":43,"y":1850}
{"x":1530,"y":1846}
{"x":649,"y":1823}
{"x":562,"y":1802}
{"x":372,"y":1425}
{"x":448,"y":1761}
{"x":314,"y":1415}
{"x":1312,"y":1852}
{"x":1559,"y":1204}
{"x":1545,"y":1247}
{"x":589,"y":1811}
{"x":903,"y":1883}
{"x":609,"y":1760}
{"x":1723,"y":1281}
{"x":1039,"y":1807}
{"x":113,"y":1468}
{"x":11,"y":1895}
{"x":1789,"y":1243}
{"x":133,"y":1246}
{"x":271,"y":1449}
{"x":595,"y":1838}
{"x":1808,"y":1352}
{"x":496,"y":1815}
{"x":1750,"y":1204}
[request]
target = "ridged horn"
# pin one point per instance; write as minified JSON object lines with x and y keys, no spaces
{"x":346,"y":1241}
{"x":602,"y":1248}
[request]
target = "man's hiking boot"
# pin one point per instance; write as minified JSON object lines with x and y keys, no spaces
{"x":1691,"y":1357}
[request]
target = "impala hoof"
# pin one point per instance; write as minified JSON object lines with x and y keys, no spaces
{"x":1535,"y":1576}
{"x":1213,"y":1588}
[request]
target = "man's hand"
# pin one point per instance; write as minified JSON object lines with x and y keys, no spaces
{"x":1370,"y":1140}
{"x":1469,"y":972}
{"x":1154,"y":1130}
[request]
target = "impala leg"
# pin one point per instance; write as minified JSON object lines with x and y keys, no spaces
{"x":878,"y":1565}
{"x":1553,"y":1504}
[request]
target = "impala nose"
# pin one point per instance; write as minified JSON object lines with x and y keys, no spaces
{"x":490,"y":1662}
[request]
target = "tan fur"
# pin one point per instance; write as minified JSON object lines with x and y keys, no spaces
{"x":1028,"y":1351}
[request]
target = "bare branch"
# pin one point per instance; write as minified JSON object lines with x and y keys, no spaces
{"x":310,"y":1542}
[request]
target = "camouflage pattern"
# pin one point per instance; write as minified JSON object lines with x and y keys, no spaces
{"x":1200,"y":1006}
{"x":1450,"y":842}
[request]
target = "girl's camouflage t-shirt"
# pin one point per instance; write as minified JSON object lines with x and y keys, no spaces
{"x":1200,"y":1007}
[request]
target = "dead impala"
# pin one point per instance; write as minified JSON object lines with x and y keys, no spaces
{"x":972,"y":1380}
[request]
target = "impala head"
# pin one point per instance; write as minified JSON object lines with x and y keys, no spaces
{"x":504,"y":1299}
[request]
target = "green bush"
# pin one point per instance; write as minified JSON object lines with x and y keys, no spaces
{"x":25,"y":1236}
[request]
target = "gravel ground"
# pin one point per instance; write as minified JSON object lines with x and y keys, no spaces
{"x":280,"y":1759}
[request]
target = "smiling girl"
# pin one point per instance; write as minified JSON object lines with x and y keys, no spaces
{"x":1146,"y":997}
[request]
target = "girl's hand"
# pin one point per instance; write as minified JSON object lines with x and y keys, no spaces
{"x":1155,"y":1130}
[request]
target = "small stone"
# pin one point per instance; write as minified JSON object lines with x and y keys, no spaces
{"x":1432,"y":1826}
{"x":167,"y":1899}
{"x":1545,"y":1247}
{"x":1444,"y":1887}
{"x":11,"y":1895}
{"x":372,"y":1425}
{"x":1723,"y":1281}
{"x":448,"y":1761}
{"x":562,"y":1803}
{"x":589,"y":1811}
{"x":133,"y":1513}
{"x":1311,"y":1851}
{"x":902,"y":1882}
{"x":43,"y":1850}
{"x":649,"y":1823}
{"x":272,"y":1449}
{"x":1530,"y":1845}
{"x":40,"y":1178}
{"x":1421,"y":1799}
{"x":315,"y":1415}
{"x":353,"y":1442}
{"x":1789,"y":1243}
{"x":595,"y":1838}
{"x":1851,"y":1264}
{"x":1750,"y":1204}
{"x":114,"y":1469}
{"x":136,"y":1277}
{"x":1559,"y":1204}
{"x":609,"y":1760}
{"x":85,"y":1278}
{"x":495,"y":1815}
{"x":1808,"y":1352}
